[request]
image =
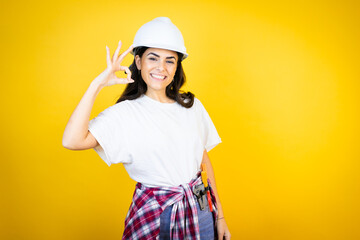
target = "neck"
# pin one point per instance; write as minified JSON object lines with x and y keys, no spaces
{"x":161,"y":97}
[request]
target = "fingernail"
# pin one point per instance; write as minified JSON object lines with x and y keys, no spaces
{"x":119,"y":42}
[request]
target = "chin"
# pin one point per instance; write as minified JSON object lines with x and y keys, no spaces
{"x":158,"y":86}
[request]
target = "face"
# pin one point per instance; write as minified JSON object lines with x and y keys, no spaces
{"x":158,"y":67}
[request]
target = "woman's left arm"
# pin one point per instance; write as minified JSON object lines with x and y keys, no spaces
{"x":222,"y":228}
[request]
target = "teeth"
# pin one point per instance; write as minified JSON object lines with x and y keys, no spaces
{"x":158,"y":76}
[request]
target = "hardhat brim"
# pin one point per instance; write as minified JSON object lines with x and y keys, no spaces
{"x":185,"y":55}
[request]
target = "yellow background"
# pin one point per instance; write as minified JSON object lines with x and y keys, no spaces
{"x":280,"y":80}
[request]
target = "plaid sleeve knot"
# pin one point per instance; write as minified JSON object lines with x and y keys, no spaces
{"x":142,"y":221}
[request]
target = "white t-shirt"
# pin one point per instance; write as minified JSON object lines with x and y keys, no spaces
{"x":160,"y":144}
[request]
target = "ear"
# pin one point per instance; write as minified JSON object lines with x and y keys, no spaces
{"x":138,"y":62}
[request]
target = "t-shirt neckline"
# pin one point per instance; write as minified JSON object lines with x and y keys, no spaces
{"x":149,"y":99}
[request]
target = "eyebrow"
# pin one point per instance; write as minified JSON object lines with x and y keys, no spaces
{"x":159,"y":56}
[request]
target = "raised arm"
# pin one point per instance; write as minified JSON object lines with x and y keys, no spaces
{"x":76,"y":135}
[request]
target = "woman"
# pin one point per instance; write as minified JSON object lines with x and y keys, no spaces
{"x":160,"y":135}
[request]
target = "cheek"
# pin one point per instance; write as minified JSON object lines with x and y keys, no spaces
{"x":173,"y":70}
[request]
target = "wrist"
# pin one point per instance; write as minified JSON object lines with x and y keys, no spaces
{"x":95,"y":86}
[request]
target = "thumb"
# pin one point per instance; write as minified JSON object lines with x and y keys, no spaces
{"x":121,"y":81}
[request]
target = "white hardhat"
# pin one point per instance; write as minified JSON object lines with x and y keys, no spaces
{"x":160,"y":33}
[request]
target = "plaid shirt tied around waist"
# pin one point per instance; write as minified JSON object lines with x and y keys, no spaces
{"x":143,"y":218}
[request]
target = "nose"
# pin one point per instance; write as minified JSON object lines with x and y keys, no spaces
{"x":161,"y":65}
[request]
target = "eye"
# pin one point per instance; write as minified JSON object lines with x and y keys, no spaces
{"x":152,"y":58}
{"x":170,"y":62}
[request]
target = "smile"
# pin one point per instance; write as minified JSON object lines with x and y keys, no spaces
{"x":157,"y":77}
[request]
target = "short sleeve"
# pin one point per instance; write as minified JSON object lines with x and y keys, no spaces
{"x":108,"y":131}
{"x":208,"y":132}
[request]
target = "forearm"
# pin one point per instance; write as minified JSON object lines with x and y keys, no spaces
{"x":211,"y":176}
{"x":77,"y":127}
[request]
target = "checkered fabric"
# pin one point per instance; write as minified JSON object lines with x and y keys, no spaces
{"x":143,"y":218}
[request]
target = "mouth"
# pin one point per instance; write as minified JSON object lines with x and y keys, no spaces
{"x":158,"y":77}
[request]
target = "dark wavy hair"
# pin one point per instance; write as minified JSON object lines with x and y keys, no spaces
{"x":139,"y":87}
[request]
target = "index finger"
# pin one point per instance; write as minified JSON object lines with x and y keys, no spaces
{"x":126,"y":52}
